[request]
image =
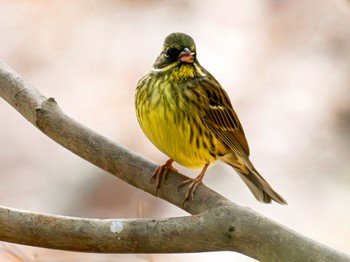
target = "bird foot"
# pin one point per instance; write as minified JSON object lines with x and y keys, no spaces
{"x":193,"y":184}
{"x":162,"y":171}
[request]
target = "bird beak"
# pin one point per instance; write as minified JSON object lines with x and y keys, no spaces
{"x":186,"y":56}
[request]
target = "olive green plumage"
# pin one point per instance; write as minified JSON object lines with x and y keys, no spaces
{"x":187,"y":115}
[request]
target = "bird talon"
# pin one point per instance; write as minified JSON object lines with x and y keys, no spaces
{"x":194,"y":189}
{"x":157,"y":175}
{"x":194,"y":182}
{"x":183,"y":183}
{"x":162,"y":171}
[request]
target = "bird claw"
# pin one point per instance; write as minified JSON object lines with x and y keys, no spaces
{"x":193,"y":184}
{"x":162,"y":171}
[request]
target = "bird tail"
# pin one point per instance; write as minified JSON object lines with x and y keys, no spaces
{"x":261,"y":190}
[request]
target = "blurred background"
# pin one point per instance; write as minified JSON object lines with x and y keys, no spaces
{"x":285,"y":65}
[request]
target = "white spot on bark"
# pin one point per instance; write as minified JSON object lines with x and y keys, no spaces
{"x":116,"y":226}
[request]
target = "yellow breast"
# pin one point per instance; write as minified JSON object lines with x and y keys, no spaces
{"x":174,"y":123}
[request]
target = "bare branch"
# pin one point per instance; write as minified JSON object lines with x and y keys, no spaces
{"x":218,"y":225}
{"x":105,"y":235}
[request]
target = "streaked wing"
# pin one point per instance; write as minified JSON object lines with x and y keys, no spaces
{"x":223,"y":120}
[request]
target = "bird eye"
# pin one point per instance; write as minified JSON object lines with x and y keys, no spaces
{"x":167,"y":52}
{"x":171,"y":53}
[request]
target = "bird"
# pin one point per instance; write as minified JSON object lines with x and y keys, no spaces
{"x":186,"y":114}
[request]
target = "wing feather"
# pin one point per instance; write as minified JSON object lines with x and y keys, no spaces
{"x":223,"y":120}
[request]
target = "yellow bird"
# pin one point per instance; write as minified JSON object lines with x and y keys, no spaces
{"x":187,"y":115}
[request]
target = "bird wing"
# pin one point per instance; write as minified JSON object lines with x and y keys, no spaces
{"x":223,"y":120}
{"x":225,"y":123}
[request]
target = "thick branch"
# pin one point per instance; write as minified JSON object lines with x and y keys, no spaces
{"x":220,"y":228}
{"x":106,"y":235}
{"x":220,"y":225}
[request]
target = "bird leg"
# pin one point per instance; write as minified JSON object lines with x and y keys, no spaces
{"x":194,"y":183}
{"x":162,"y":171}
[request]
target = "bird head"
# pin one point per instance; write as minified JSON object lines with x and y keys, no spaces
{"x":178,"y":48}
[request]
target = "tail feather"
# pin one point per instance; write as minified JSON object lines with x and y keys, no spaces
{"x":261,"y":190}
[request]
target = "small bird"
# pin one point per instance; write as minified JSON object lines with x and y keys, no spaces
{"x":187,"y":115}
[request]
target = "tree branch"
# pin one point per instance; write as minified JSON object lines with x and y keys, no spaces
{"x":106,"y":235}
{"x":218,"y":224}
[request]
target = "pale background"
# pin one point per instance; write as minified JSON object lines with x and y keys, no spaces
{"x":285,"y":65}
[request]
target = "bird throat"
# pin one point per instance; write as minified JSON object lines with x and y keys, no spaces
{"x":177,"y":71}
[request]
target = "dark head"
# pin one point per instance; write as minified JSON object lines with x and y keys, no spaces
{"x":177,"y":48}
